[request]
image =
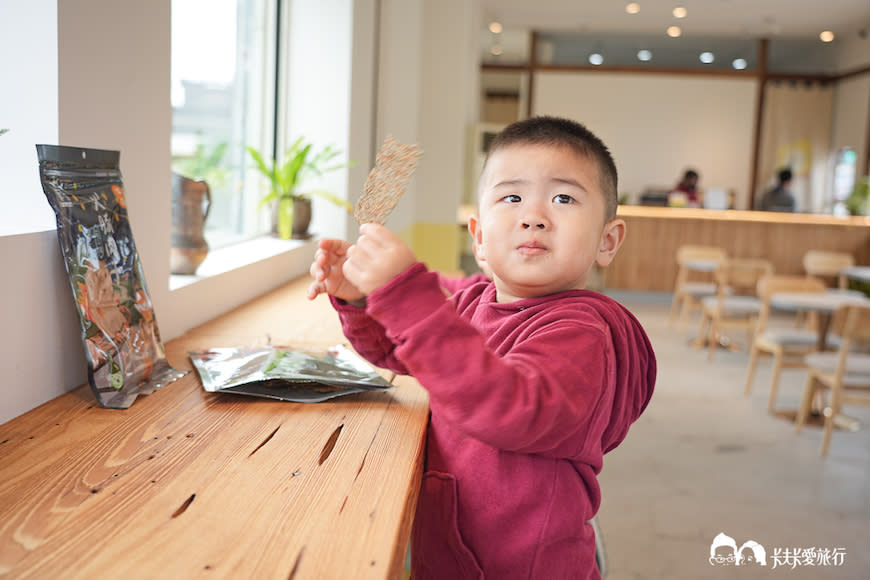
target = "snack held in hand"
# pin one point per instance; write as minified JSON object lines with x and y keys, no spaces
{"x":387,"y":181}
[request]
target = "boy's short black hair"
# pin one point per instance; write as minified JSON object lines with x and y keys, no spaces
{"x":784,"y":174}
{"x":556,"y":131}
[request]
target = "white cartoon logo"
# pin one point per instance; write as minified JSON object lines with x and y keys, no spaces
{"x":724,"y":552}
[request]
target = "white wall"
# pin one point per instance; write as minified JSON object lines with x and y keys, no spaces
{"x":28,"y":108}
{"x":658,"y":125}
{"x":398,"y":89}
{"x":448,"y":105}
{"x":850,"y":119}
{"x":853,"y":52}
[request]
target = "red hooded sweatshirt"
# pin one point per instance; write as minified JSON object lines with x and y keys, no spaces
{"x":525,"y":399}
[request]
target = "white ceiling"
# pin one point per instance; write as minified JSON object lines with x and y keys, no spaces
{"x":727,"y":18}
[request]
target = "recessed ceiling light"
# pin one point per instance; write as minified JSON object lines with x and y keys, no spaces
{"x":674,"y":31}
{"x":632,"y":8}
{"x":496,"y":50}
{"x":680,"y":12}
{"x":595,"y":59}
{"x":739,"y":63}
{"x":707,"y":57}
{"x":495,"y":27}
{"x":644,"y":55}
{"x":826,"y":36}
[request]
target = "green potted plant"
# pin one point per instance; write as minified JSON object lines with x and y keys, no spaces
{"x":857,"y":202}
{"x":287,"y":179}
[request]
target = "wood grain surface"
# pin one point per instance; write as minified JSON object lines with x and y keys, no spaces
{"x":189,"y":484}
{"x":647,"y":259}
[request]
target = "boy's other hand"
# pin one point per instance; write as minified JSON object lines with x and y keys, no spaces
{"x":377,"y":257}
{"x":326,"y":269}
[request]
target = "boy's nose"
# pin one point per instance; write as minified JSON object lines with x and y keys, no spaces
{"x":528,"y":224}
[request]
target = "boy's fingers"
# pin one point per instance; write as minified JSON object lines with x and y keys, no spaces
{"x":314,"y":289}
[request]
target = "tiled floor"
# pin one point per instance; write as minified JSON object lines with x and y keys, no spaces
{"x":704,"y":459}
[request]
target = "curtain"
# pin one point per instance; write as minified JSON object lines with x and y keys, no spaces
{"x":796,"y":133}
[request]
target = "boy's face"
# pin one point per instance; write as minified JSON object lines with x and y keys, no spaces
{"x":541,"y":223}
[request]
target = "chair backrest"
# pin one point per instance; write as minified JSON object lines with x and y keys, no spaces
{"x":826,"y":264}
{"x":688,"y":253}
{"x":770,"y":285}
{"x":740,"y":276}
{"x":852,"y":323}
{"x":698,"y":262}
{"x":783,"y":283}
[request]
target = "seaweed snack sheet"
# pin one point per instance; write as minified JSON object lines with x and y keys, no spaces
{"x":394,"y":167}
{"x":119,"y":330}
{"x":285,"y":373}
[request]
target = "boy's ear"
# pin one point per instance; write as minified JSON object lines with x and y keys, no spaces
{"x":476,"y":236}
{"x":611,"y":238}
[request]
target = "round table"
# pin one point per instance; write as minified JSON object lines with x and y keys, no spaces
{"x":822,"y":303}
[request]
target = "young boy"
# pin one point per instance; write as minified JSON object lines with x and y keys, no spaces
{"x":531,"y":378}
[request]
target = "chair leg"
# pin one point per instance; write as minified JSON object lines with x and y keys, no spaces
{"x":830,"y":415}
{"x":675,"y":308}
{"x":806,"y":403}
{"x":774,"y":380}
{"x":702,"y":331}
{"x":715,"y":332}
{"x":684,"y":313}
{"x":750,"y":374}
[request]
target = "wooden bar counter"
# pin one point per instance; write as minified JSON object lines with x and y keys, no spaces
{"x":647,"y":259}
{"x":190,"y":484}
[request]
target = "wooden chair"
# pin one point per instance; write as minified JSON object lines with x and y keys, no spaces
{"x":845,"y":372}
{"x":735,"y":304}
{"x":827,"y":265}
{"x":788,"y":346}
{"x":694,"y":279}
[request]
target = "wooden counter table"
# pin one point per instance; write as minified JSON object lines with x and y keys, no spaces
{"x":189,"y":484}
{"x":647,"y":259}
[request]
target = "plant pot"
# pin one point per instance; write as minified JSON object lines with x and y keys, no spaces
{"x":191,"y":201}
{"x":301,"y":218}
{"x":293,"y":218}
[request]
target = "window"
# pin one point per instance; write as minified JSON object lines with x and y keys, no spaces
{"x":223,"y":99}
{"x":845,"y":169}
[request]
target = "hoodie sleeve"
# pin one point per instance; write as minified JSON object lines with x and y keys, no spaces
{"x":367,"y":336}
{"x":553,"y":392}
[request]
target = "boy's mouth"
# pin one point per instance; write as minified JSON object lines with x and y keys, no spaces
{"x":532,"y":248}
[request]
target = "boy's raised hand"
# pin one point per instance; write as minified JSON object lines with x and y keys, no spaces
{"x":378,"y":256}
{"x":326,"y":269}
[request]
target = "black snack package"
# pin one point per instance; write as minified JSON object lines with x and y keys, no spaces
{"x":119,"y":331}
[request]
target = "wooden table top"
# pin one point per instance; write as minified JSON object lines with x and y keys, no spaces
{"x":187,"y":483}
{"x":825,"y":302}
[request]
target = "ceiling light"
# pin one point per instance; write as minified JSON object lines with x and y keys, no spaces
{"x":595,"y":59}
{"x":632,"y":8}
{"x":826,"y":36}
{"x":739,"y":63}
{"x":680,"y":12}
{"x":707,"y":57}
{"x":495,"y":27}
{"x":496,"y":50}
{"x":644,"y":55}
{"x":674,"y":31}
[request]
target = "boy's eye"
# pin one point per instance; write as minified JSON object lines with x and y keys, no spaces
{"x":512,"y":198}
{"x":563,"y":198}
